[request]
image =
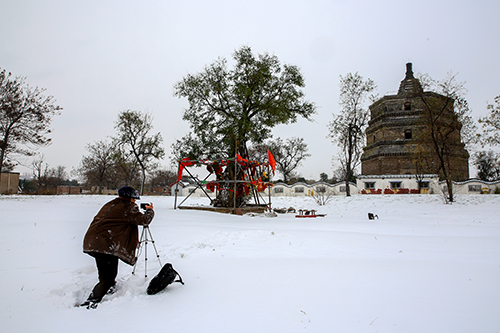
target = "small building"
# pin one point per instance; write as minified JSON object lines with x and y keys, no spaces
{"x":159,"y":191}
{"x":104,"y":190}
{"x":302,"y":189}
{"x":177,"y":188}
{"x":398,"y":184}
{"x":66,"y":189}
{"x":9,"y":183}
{"x":192,"y":189}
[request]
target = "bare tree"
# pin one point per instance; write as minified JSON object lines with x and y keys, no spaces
{"x":445,"y":114}
{"x":456,"y":90}
{"x":39,"y":171}
{"x":126,"y":169}
{"x":347,"y":129}
{"x":25,"y":117}
{"x":491,"y":125}
{"x":162,"y":178}
{"x":47,"y":179}
{"x":289,"y":154}
{"x":134,"y":135}
{"x":97,"y":167}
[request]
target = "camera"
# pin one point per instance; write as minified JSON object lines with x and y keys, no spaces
{"x":144,"y":204}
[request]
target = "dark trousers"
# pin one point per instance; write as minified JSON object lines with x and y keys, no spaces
{"x":107,"y":268}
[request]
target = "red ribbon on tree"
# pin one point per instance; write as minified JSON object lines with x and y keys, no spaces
{"x":182,"y":164}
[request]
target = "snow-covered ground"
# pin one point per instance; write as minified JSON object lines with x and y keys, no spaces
{"x":421,"y":267}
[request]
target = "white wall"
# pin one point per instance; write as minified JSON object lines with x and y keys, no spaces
{"x":381,"y":182}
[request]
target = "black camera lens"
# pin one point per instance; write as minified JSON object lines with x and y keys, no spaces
{"x":143,"y":205}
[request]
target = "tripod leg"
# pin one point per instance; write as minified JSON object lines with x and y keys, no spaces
{"x":146,"y":257}
{"x":143,"y":243}
{"x":154,"y":247}
{"x":139,"y":252}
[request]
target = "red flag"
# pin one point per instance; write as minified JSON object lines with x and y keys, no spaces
{"x":272,"y":161}
{"x":179,"y":174}
{"x":183,"y":163}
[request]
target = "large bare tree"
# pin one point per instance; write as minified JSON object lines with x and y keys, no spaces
{"x":445,"y":126}
{"x":25,"y":118}
{"x":134,"y":136}
{"x":347,"y":129}
{"x":97,"y":168}
{"x":452,"y":88}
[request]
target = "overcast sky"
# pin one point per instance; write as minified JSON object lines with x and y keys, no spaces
{"x":98,"y":58}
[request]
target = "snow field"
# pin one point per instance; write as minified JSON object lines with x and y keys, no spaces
{"x":421,"y":267}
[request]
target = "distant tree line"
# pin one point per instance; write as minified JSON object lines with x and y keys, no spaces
{"x":45,"y":179}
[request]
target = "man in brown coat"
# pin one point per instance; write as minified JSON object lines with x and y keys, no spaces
{"x":113,"y":235}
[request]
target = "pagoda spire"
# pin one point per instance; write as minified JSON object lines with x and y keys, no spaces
{"x":410,"y":86}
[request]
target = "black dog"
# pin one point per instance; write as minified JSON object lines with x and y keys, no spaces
{"x":371,"y":216}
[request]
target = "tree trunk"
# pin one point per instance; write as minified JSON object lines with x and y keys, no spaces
{"x":2,"y":156}
{"x":143,"y":181}
{"x":449,"y":183}
{"x":348,"y":162}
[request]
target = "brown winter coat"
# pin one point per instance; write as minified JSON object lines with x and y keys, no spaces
{"x":114,"y":230}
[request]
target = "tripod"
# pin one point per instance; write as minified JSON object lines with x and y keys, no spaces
{"x":146,"y":237}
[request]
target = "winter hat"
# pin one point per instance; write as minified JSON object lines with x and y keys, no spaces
{"x":128,"y":192}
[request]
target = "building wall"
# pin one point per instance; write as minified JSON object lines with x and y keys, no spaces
{"x":397,"y":141}
{"x":406,"y":184}
{"x":382,"y":184}
{"x":70,"y":190}
{"x":401,"y":164}
{"x":281,"y":190}
{"x":303,"y":189}
{"x":474,"y":186}
{"x":9,"y":183}
{"x":196,"y":192}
